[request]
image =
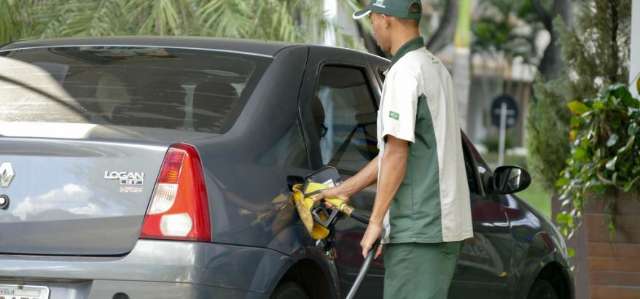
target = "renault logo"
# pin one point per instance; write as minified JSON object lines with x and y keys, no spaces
{"x":6,"y":174}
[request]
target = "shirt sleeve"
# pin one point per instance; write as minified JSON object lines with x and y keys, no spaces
{"x":399,"y":105}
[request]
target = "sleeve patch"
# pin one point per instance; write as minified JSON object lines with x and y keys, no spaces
{"x":394,"y":115}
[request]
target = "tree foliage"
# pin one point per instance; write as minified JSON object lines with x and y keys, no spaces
{"x":595,"y":52}
{"x":14,"y":19}
{"x":547,"y":132}
{"x":282,"y":20}
{"x":511,"y":28}
{"x":506,"y":28}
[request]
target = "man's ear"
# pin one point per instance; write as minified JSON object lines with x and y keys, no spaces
{"x":386,"y":21}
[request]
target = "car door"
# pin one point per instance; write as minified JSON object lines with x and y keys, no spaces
{"x":484,"y":265}
{"x":339,"y":108}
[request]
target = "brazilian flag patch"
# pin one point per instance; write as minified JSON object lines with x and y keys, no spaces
{"x":394,"y":115}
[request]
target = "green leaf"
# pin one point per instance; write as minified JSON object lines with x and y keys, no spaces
{"x":627,"y":146}
{"x":565,"y":219}
{"x":621,"y":92}
{"x":613,"y":139}
{"x":618,"y":90}
{"x":562,"y":182}
{"x":575,"y":121}
{"x":627,"y":187}
{"x":571,"y":252}
{"x":611,"y":164}
{"x":599,"y":105}
{"x":577,"y":107}
{"x":580,"y":154}
{"x":633,"y":129}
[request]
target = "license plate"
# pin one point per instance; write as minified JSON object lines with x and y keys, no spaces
{"x":8,"y":291}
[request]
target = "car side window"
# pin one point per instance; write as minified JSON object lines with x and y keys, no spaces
{"x":479,"y":168}
{"x":472,"y":176}
{"x":344,"y":115}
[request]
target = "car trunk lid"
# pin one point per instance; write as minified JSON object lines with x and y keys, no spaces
{"x":75,"y":197}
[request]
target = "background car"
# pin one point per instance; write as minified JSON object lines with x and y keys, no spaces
{"x":156,"y":168}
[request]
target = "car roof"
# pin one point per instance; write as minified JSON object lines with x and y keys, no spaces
{"x":207,"y":43}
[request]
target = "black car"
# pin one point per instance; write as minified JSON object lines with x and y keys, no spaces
{"x":153,"y":167}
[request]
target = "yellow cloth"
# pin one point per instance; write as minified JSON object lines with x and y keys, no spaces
{"x":304,"y":202}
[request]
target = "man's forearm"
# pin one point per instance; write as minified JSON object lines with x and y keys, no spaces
{"x":363,"y":179}
{"x":394,"y":165}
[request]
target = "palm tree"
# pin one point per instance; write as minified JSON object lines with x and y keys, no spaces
{"x":282,"y":20}
{"x":14,"y":23}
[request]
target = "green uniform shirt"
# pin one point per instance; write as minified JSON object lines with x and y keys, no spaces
{"x":432,"y":203}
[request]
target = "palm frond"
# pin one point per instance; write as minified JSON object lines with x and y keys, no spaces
{"x":161,"y":17}
{"x":283,"y":20}
{"x":226,"y":18}
{"x":8,"y":24}
{"x":95,"y":18}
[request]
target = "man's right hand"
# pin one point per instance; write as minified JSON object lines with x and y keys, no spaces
{"x":331,"y":192}
{"x":364,"y":178}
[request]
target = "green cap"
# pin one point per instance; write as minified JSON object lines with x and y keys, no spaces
{"x":398,"y":8}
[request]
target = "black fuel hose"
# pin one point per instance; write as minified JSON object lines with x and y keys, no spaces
{"x":367,"y":261}
{"x":362,"y":273}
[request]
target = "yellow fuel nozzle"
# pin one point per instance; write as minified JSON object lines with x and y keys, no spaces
{"x":338,"y":203}
{"x":305,"y":206}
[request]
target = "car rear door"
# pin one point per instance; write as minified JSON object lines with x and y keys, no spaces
{"x":338,"y":104}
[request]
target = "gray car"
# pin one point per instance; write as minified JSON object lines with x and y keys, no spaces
{"x":157,"y":168}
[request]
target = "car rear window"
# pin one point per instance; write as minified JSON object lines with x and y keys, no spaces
{"x":170,"y":88}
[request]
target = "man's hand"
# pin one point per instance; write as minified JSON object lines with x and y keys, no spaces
{"x":371,"y":235}
{"x":364,"y":178}
{"x":331,"y":192}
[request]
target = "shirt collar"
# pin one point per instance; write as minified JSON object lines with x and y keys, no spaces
{"x":409,"y":46}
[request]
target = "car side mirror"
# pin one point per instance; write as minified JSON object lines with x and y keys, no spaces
{"x":509,"y":179}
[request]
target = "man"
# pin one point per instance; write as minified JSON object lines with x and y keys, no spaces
{"x":422,"y":198}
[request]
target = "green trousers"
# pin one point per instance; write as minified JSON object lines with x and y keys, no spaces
{"x":419,"y":270}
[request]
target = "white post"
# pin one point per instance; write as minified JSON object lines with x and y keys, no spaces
{"x":330,"y":15}
{"x":634,"y":69}
{"x":503,"y":128}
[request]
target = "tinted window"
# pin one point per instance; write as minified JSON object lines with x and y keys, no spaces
{"x":477,"y":170}
{"x":472,"y":176}
{"x":166,"y":88}
{"x":345,"y":118}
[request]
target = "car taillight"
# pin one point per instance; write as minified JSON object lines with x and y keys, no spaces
{"x":179,"y":208}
